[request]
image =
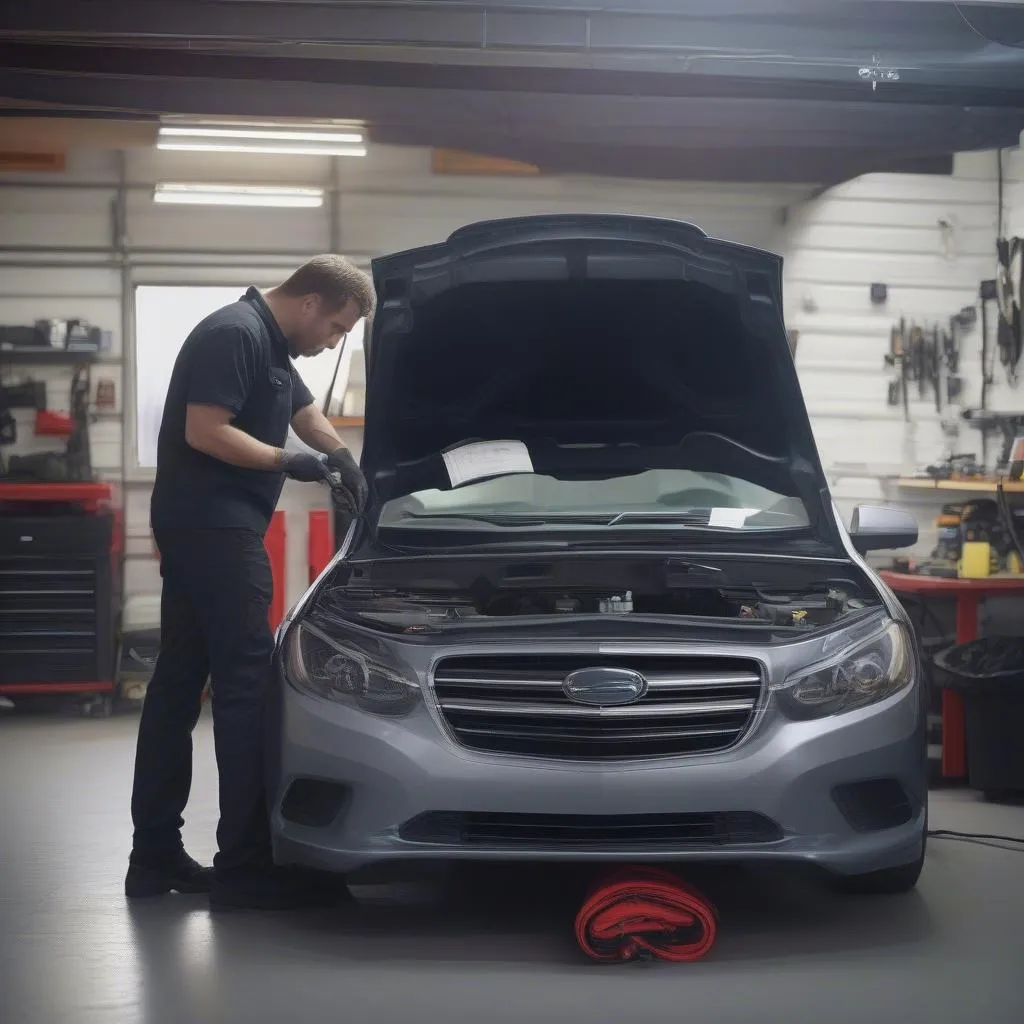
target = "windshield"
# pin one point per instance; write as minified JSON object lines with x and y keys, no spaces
{"x":669,"y":499}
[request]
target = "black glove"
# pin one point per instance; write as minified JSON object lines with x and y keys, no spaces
{"x":303,"y":467}
{"x":340,"y":461}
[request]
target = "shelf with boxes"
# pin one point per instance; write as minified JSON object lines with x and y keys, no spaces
{"x":37,"y":363}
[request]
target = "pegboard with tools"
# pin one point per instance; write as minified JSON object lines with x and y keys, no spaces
{"x":925,"y":360}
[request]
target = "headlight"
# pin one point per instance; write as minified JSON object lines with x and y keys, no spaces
{"x":348,"y":673}
{"x":863,"y":673}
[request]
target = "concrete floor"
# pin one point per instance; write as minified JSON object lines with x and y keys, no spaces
{"x":71,"y":950}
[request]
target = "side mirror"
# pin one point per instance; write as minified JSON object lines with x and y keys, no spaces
{"x":881,"y":529}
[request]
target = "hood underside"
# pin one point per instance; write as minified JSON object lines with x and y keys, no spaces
{"x":607,"y":344}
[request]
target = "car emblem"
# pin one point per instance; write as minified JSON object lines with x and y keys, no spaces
{"x":604,"y":687}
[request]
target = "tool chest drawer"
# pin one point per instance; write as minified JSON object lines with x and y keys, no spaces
{"x":56,"y":599}
{"x":44,"y":536}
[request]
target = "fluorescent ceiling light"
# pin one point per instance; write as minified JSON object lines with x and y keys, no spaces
{"x":286,"y":134}
{"x":233,"y":137}
{"x":284,"y":149}
{"x":238,"y":195}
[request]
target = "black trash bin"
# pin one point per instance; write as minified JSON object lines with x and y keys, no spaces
{"x":990,"y":674}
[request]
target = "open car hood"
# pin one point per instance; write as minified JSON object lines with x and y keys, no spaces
{"x":607,"y":344}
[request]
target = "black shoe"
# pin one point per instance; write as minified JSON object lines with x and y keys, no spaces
{"x":330,"y":887}
{"x":279,"y":889}
{"x":183,"y":874}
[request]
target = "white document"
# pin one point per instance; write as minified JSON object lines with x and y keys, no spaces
{"x":480,"y":460}
{"x":730,"y":518}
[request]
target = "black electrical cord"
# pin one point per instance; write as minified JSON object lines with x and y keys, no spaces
{"x":1000,"y":194}
{"x":1009,"y":523}
{"x":981,"y":35}
{"x":927,"y":611}
{"x":980,"y":838}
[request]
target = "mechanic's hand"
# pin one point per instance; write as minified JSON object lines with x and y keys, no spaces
{"x":303,"y":466}
{"x":340,"y":461}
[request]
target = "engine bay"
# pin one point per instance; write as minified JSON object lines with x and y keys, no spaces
{"x":804,"y":609}
{"x":425,"y":594}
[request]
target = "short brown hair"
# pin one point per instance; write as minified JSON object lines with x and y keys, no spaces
{"x":336,"y":279}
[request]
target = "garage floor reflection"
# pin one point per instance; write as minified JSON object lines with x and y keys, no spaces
{"x":473,"y":945}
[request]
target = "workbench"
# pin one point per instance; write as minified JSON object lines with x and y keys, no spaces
{"x":961,"y":484}
{"x":968,"y":594}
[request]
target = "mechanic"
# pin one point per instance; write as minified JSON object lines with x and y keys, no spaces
{"x":221,"y":466}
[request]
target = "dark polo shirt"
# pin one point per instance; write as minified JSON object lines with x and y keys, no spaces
{"x":236,"y":358}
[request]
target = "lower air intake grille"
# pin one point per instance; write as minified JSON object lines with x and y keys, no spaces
{"x":314,"y":803}
{"x":515,"y":704}
{"x":874,"y":805}
{"x":584,"y":831}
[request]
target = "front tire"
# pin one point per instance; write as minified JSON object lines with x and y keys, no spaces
{"x":887,"y":882}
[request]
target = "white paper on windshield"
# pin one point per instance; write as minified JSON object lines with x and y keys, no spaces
{"x":480,"y":460}
{"x":730,"y":518}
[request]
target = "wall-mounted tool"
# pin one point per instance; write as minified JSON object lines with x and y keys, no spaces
{"x":988,"y":292}
{"x":916,"y":354}
{"x":951,"y":361}
{"x":106,"y":394}
{"x":1009,"y":286}
{"x":79,"y":453}
{"x":959,"y":324}
{"x":967,"y":317}
{"x":72,"y":464}
{"x":933,"y":363}
{"x":29,"y":394}
{"x":923,"y":356}
{"x":897,"y":358}
{"x":1006,"y":426}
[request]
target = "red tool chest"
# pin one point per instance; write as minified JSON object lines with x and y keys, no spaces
{"x":60,"y":583}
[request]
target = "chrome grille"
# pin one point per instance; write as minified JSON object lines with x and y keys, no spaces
{"x":514,"y":704}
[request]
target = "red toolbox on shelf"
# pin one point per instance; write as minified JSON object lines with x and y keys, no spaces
{"x":60,"y":582}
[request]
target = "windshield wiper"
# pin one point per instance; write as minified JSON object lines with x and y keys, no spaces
{"x":681,"y":517}
{"x":690,"y":517}
{"x":695,"y":518}
{"x":472,"y":517}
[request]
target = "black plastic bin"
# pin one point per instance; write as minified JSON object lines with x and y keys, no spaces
{"x":990,"y":674}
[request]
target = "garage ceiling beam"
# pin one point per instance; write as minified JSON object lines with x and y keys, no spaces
{"x":730,"y":90}
{"x":595,"y":144}
{"x":725,"y":26}
{"x":153,"y":61}
{"x":209,"y":86}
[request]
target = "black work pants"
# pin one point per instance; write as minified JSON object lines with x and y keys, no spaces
{"x":217,"y":588}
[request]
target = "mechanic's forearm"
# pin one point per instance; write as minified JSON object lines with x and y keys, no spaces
{"x":235,"y":447}
{"x":315,"y":430}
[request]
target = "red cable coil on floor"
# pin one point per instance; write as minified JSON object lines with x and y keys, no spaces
{"x":643,"y":913}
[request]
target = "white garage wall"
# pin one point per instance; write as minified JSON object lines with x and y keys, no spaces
{"x":59,"y":257}
{"x":888,"y":229}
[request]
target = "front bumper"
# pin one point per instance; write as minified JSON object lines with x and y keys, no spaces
{"x":395,"y":771}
